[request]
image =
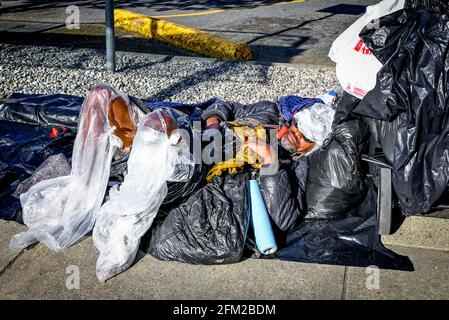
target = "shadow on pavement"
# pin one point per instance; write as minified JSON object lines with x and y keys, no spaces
{"x":157,"y":5}
{"x":213,"y":72}
{"x":129,"y":44}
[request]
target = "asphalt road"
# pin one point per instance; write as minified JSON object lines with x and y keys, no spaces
{"x":293,"y":32}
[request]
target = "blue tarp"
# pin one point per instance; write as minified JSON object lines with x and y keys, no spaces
{"x":292,"y":104}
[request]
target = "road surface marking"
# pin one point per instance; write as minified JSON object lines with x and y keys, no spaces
{"x":181,"y":36}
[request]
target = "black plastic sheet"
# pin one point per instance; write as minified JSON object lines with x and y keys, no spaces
{"x":23,"y":148}
{"x":26,"y":139}
{"x":45,"y":110}
{"x":350,"y":240}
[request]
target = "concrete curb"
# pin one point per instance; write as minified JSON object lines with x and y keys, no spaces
{"x":421,"y":232}
{"x":181,"y":36}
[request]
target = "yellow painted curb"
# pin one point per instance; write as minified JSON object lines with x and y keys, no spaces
{"x":181,"y":36}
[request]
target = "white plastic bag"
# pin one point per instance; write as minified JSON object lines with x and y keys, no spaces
{"x":158,"y":155}
{"x":315,"y":122}
{"x":328,"y":98}
{"x":357,"y":67}
{"x":58,"y":212}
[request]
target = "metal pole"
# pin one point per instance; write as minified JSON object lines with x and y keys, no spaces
{"x":110,"y":36}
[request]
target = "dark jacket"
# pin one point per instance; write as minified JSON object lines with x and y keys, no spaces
{"x":284,"y":193}
{"x":264,"y":112}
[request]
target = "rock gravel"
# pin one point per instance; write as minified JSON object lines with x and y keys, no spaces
{"x":47,"y":70}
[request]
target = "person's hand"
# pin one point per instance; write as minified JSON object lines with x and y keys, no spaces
{"x":213,"y":123}
{"x":262,"y":149}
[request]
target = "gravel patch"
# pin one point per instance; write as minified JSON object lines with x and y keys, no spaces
{"x":47,"y":70}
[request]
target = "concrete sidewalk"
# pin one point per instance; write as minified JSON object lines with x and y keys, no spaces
{"x":38,"y":273}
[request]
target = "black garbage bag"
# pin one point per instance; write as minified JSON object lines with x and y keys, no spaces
{"x":335,"y":180}
{"x":210,"y":227}
{"x":279,"y":200}
{"x":435,"y":5}
{"x":412,"y":84}
{"x":350,"y":239}
{"x":384,"y":133}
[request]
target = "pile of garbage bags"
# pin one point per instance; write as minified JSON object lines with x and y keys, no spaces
{"x":220,"y":181}
{"x":129,"y":174}
{"x":406,"y":98}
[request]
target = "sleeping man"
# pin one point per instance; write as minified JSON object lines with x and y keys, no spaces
{"x":284,"y":188}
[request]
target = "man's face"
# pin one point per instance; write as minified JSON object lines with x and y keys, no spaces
{"x":162,"y":122}
{"x":294,"y":142}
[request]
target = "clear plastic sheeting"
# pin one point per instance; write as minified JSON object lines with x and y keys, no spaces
{"x":159,"y":154}
{"x":53,"y":167}
{"x":315,"y":122}
{"x":58,"y":212}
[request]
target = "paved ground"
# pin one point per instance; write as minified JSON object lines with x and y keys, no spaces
{"x":295,"y":32}
{"x":41,"y":274}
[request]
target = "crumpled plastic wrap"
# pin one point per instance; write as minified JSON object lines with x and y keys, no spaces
{"x":58,"y":212}
{"x":315,"y":122}
{"x":159,"y":154}
{"x":53,"y":167}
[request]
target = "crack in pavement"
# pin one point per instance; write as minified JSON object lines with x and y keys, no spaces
{"x":343,"y":291}
{"x":11,"y":263}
